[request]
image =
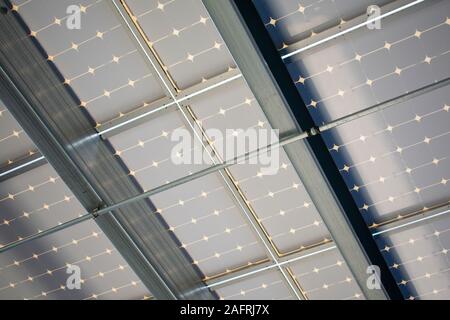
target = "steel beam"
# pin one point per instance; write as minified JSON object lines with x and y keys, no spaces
{"x":286,"y":141}
{"x":20,"y":166}
{"x":260,"y":63}
{"x":48,"y":111}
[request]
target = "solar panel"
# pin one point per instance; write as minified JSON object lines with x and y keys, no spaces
{"x":418,"y":258}
{"x":357,"y":71}
{"x":145,"y":71}
{"x":208,"y":223}
{"x":396,"y":161}
{"x":34,"y":201}
{"x":393,"y":161}
{"x":38,"y":270}
{"x":203,"y":216}
{"x":291,"y":21}
{"x":279,"y":199}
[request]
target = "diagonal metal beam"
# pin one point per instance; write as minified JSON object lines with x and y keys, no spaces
{"x":258,"y":59}
{"x":324,"y":128}
{"x":285,"y":141}
{"x":48,"y":111}
{"x":20,"y":166}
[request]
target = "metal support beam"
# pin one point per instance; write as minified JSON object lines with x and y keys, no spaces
{"x":258,"y":59}
{"x":20,"y":166}
{"x":48,"y":111}
{"x":106,"y":212}
{"x":286,"y":141}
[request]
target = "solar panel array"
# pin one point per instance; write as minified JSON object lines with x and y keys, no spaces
{"x":238,"y":221}
{"x":394,"y":161}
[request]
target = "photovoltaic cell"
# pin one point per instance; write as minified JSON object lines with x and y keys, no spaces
{"x":38,"y":269}
{"x":34,"y":201}
{"x":418,"y":258}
